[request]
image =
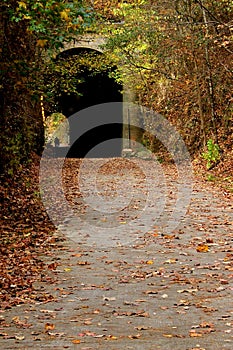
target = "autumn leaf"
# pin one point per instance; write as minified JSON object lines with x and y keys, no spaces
{"x":112,"y":337}
{"x":150,"y":262}
{"x":168,"y":236}
{"x":22,"y":4}
{"x":52,"y":266}
{"x":87,"y":322}
{"x":65,"y":14}
{"x":142,"y":328}
{"x":82,"y":263}
{"x":171,"y":261}
{"x":76,"y":341}
{"x":41,"y":42}
{"x":49,"y":326}
{"x":136,"y":336}
{"x":205,"y":324}
{"x":151,"y":292}
{"x":202,"y":248}
{"x":193,"y":333}
{"x":97,"y":311}
{"x":19,"y":337}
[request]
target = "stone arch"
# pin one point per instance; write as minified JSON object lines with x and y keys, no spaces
{"x":95,"y":90}
{"x":93,"y":42}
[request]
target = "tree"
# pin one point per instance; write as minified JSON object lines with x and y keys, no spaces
{"x":31,"y":33}
{"x":177,"y":56}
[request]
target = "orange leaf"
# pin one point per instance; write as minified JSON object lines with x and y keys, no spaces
{"x":82,"y":263}
{"x":202,"y":248}
{"x":76,"y":341}
{"x":150,"y":262}
{"x":49,"y":326}
{"x":193,"y":333}
{"x":112,"y":337}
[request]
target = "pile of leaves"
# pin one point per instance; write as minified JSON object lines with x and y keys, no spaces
{"x":26,"y":233}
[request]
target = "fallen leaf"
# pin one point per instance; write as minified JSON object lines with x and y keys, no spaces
{"x":76,"y":341}
{"x":136,"y":336}
{"x":168,"y":236}
{"x":112,"y":337}
{"x":52,"y":266}
{"x":202,"y":248}
{"x":193,"y":333}
{"x":171,"y":261}
{"x":151,"y":292}
{"x":142,"y":328}
{"x":83,"y":263}
{"x":87,"y":322}
{"x":49,"y":326}
{"x":53,"y":334}
{"x":19,"y":337}
{"x":206,"y":325}
{"x":150,"y":262}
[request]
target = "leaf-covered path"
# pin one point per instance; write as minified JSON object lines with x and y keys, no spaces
{"x":159,"y":291}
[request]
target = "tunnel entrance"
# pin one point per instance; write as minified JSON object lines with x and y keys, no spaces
{"x":93,"y":89}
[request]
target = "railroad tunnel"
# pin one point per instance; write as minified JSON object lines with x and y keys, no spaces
{"x":96,"y":129}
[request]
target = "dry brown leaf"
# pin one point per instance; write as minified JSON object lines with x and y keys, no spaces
{"x":82,"y":263}
{"x":136,"y":336}
{"x":193,"y":333}
{"x":151,"y":292}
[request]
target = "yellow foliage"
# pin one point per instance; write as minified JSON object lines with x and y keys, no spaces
{"x":27,"y":17}
{"x":65,"y":14}
{"x":22,"y":4}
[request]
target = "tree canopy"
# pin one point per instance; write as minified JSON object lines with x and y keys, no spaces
{"x":31,"y":33}
{"x":177,"y":55}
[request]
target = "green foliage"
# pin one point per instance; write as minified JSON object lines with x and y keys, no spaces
{"x":51,"y":124}
{"x":212,"y":156}
{"x":32,"y":32}
{"x":11,"y":148}
{"x":53,"y":22}
{"x":66,"y":73}
{"x":211,"y":177}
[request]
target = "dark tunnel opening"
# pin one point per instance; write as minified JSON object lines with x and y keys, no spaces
{"x":94,"y":89}
{"x":93,"y":143}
